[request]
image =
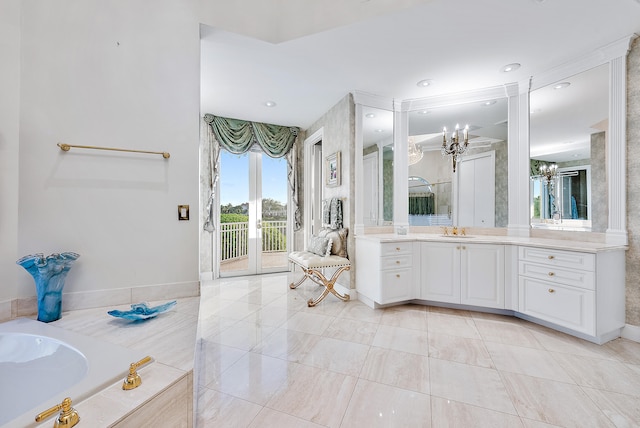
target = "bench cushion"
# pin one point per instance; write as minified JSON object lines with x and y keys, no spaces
{"x":308,"y":260}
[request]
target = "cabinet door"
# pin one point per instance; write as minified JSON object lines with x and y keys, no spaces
{"x":563,"y":305}
{"x":440,"y":272}
{"x":482,"y":275}
{"x":395,"y":285}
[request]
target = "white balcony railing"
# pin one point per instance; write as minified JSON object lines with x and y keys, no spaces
{"x":235,"y":238}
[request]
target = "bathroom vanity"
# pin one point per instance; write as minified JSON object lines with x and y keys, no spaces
{"x":573,"y":286}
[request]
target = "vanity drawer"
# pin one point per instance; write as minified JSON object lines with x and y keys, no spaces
{"x":557,"y":275}
{"x":566,"y":306}
{"x":395,"y":285}
{"x":396,"y":261}
{"x":391,"y":248}
{"x":569,"y":259}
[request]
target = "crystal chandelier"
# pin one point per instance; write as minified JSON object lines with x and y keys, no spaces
{"x":415,"y":154}
{"x":549,"y":173}
{"x":453,"y":148}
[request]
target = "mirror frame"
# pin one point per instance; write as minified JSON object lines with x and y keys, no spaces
{"x":361,"y":100}
{"x":615,"y":55}
{"x":401,"y":134}
{"x":508,"y":91}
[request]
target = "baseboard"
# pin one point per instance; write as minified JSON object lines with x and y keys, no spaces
{"x":206,"y":276}
{"x":631,"y":332}
{"x":8,"y":310}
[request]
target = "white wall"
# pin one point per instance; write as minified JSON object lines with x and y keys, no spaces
{"x":9,"y":107}
{"x":112,"y":73}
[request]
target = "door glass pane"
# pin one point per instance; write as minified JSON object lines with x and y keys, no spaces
{"x":234,"y":215}
{"x":274,"y":214}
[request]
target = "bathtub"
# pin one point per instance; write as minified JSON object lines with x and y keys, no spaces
{"x":41,"y":364}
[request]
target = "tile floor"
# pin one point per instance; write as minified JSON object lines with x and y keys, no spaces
{"x":264,"y":359}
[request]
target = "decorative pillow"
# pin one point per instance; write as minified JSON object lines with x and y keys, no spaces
{"x":339,"y":239}
{"x":319,"y":245}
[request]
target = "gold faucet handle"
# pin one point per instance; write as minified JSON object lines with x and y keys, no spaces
{"x":445,"y":231}
{"x":68,"y":415}
{"x":455,"y":230}
{"x":133,"y":379}
{"x":463,"y":232}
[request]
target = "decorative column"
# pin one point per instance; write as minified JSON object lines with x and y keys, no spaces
{"x":617,"y":151}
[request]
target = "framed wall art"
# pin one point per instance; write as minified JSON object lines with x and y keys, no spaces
{"x":333,"y":170}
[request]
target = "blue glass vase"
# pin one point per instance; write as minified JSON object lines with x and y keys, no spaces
{"x":49,"y":274}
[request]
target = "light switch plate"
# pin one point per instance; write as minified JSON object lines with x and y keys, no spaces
{"x":183,"y":212}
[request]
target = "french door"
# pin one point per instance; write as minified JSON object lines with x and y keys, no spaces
{"x":253,"y":232}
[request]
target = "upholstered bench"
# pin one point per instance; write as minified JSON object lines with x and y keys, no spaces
{"x":313,"y":263}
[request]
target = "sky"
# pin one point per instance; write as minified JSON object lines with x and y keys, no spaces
{"x":234,"y":178}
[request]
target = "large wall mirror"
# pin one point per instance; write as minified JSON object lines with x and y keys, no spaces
{"x":476,"y":194}
{"x":568,"y":136}
{"x":377,"y":171}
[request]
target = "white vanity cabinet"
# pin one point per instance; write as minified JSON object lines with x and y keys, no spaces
{"x":384,"y":271}
{"x":581,"y":291}
{"x":577,"y":287}
{"x":461,"y":272}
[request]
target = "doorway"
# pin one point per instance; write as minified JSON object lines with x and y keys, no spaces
{"x":254,"y":223}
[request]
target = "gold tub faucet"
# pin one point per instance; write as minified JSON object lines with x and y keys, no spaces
{"x":68,"y":415}
{"x":133,"y":379}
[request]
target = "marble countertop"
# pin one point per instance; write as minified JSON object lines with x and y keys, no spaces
{"x":559,"y":244}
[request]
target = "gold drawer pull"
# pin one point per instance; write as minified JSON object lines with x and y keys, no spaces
{"x":551,"y":257}
{"x":551,"y":274}
{"x":551,"y":290}
{"x":397,"y":262}
{"x":397,"y":248}
{"x":397,"y":275}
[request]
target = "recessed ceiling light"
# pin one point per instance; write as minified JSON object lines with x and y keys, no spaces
{"x":370,"y":115}
{"x":561,"y":85}
{"x":424,"y":111}
{"x":379,"y":130}
{"x":424,"y":83}
{"x":270,"y":103}
{"x":510,"y":67}
{"x":489,"y":103}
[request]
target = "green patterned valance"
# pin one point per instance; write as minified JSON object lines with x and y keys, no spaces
{"x":237,"y":136}
{"x":534,"y":167}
